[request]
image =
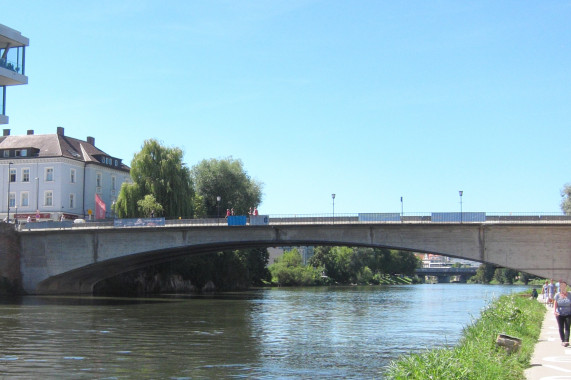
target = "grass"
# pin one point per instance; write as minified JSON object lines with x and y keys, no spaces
{"x":477,"y":356}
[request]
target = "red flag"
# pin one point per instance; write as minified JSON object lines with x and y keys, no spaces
{"x":99,"y":207}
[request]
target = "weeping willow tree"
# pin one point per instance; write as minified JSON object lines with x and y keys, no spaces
{"x":158,"y":171}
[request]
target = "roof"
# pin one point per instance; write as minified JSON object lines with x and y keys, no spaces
{"x":12,"y":37}
{"x":56,"y":145}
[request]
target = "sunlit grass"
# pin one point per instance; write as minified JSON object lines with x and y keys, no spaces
{"x":477,"y":356}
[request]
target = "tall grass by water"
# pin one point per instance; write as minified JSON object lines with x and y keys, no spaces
{"x":477,"y":356}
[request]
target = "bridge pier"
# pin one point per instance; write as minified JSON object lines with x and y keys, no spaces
{"x":10,"y":273}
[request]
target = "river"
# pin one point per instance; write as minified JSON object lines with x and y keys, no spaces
{"x":339,"y":332}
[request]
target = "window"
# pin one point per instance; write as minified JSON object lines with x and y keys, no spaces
{"x":25,"y":175}
{"x":21,"y":152}
{"x":48,"y":198}
{"x":98,"y":180}
{"x":24,"y":199}
{"x":72,"y":176}
{"x":71,"y":200}
{"x":12,"y":175}
{"x":6,"y":153}
{"x":113,"y":182}
{"x":49,"y":177}
{"x":12,"y":200}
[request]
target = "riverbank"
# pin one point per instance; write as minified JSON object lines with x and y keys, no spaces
{"x":477,"y":356}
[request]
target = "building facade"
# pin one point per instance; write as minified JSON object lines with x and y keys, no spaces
{"x":49,"y":176}
{"x":12,"y":64}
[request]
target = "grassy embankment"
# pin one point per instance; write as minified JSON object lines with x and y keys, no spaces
{"x":477,"y":356}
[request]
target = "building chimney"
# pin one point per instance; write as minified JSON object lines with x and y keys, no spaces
{"x":60,"y":131}
{"x":91,"y":140}
{"x":6,"y":132}
{"x":30,"y":132}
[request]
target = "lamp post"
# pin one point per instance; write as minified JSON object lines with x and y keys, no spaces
{"x":460,"y":192}
{"x":218,"y":199}
{"x":401,"y":211}
{"x":9,"y":180}
{"x":333,"y":197}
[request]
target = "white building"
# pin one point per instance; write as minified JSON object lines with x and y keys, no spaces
{"x":12,"y":64}
{"x":54,"y":175}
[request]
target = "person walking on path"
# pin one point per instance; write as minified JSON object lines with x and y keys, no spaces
{"x":562,"y":311}
{"x":549,"y":360}
{"x":545,"y":291}
{"x":550,"y":292}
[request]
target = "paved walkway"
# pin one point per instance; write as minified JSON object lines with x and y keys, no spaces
{"x":550,"y":360}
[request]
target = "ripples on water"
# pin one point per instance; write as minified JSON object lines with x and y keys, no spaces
{"x":351,"y":332}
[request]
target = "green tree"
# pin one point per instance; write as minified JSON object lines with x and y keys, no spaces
{"x":158,"y":171}
{"x":505,"y":275}
{"x":228,"y":179}
{"x":149,"y":206}
{"x":404,"y":262}
{"x":360,"y":265}
{"x":484,"y":274}
{"x":289,"y":271}
{"x":126,"y":205}
{"x":566,"y":201}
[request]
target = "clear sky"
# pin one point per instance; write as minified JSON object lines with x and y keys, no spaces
{"x":370,"y":100}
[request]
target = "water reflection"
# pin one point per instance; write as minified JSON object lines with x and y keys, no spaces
{"x":348,"y":332}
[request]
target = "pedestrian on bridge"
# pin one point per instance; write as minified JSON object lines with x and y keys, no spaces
{"x":562,"y":306}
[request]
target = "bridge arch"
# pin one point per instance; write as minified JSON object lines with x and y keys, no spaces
{"x":73,"y":261}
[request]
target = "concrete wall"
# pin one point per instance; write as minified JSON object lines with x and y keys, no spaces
{"x":9,"y":259}
{"x":72,"y":261}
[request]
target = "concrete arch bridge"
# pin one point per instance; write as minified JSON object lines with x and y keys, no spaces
{"x":72,"y":261}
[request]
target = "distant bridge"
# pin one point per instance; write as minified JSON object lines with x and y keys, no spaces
{"x":445,"y":274}
{"x":73,"y":260}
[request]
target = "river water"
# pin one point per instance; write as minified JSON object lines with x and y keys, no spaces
{"x":347,"y":332}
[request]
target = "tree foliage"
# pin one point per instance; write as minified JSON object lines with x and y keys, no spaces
{"x":289,"y":271}
{"x":149,"y":206}
{"x":158,"y":171}
{"x":484,"y":274}
{"x":566,"y":201}
{"x":359,"y":265}
{"x":228,"y":270}
{"x":126,"y":205}
{"x":228,"y":179}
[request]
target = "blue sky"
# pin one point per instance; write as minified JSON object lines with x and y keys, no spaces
{"x":370,"y":100}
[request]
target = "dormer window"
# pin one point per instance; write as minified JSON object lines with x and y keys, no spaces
{"x":21,"y":152}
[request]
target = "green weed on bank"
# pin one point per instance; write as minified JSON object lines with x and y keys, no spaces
{"x":477,"y":356}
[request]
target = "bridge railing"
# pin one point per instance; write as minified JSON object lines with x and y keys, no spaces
{"x":352,"y":218}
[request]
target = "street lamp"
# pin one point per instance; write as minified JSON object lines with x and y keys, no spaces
{"x":401,"y":211}
{"x":333,"y":197}
{"x":460,"y":192}
{"x":218,"y":199}
{"x":9,"y":180}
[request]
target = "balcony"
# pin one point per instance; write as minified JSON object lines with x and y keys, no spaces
{"x":12,"y":57}
{"x":12,"y":64}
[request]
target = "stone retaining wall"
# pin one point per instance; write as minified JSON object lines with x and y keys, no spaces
{"x":10,"y":274}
